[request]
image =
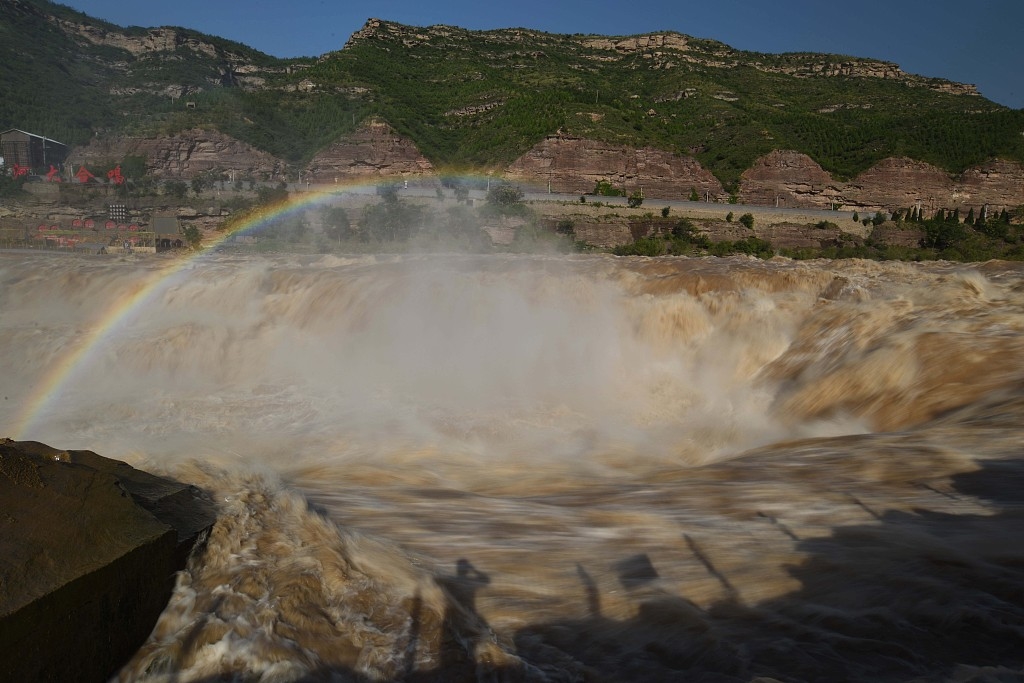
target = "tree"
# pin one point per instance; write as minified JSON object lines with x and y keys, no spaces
{"x":336,"y":223}
{"x":199,"y":183}
{"x":565,"y":227}
{"x":192,"y":236}
{"x":684,"y":229}
{"x":297,"y":228}
{"x":856,"y":217}
{"x":665,"y":211}
{"x":504,"y":195}
{"x":747,"y":219}
{"x":391,"y":221}
{"x":635,"y":199}
{"x":942,"y":234}
{"x":694,"y":197}
{"x":388,"y":192}
{"x":176,"y":188}
{"x":271,"y":195}
{"x":728,"y":217}
{"x":133,"y":166}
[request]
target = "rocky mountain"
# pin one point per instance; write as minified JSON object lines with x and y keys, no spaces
{"x":664,"y":112}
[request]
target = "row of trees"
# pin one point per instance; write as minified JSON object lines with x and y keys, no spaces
{"x":391,"y":222}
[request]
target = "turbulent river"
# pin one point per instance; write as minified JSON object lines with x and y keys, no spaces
{"x":550,"y":468}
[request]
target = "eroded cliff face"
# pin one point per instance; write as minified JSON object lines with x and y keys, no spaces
{"x":374,"y":150}
{"x":236,"y":69}
{"x":184,"y":155}
{"x":573,"y":164}
{"x":997,"y":182}
{"x":793,"y":179}
{"x":901,"y":182}
{"x":788,"y":178}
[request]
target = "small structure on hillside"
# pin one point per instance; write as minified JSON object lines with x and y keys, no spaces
{"x":167,"y":231}
{"x":31,"y":151}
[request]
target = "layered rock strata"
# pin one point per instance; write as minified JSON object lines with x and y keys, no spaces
{"x":788,"y":178}
{"x":184,"y":155}
{"x":373,"y":150}
{"x":791,"y":179}
{"x":572,"y":164}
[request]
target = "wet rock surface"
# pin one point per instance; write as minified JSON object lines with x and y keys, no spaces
{"x":88,"y":552}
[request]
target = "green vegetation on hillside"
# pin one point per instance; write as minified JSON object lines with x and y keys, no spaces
{"x":481,"y":99}
{"x":942,"y":237}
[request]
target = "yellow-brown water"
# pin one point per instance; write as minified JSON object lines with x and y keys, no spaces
{"x":559,"y":468}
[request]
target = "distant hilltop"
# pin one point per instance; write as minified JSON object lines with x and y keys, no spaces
{"x":562,"y":110}
{"x":668,"y":50}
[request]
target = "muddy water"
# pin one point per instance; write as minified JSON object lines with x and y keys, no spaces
{"x":554,"y":468}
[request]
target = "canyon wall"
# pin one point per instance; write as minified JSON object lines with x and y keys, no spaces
{"x":792,"y":179}
{"x":372,"y":150}
{"x":781,"y":178}
{"x":183,"y":155}
{"x":576,"y":165}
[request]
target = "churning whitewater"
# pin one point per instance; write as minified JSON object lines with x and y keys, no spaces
{"x":553,"y":468}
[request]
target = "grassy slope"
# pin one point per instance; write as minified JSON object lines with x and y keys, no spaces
{"x":480,"y":99}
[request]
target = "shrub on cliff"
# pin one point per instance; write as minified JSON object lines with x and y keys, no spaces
{"x":192,"y":236}
{"x":644,"y":246}
{"x":176,"y":188}
{"x":504,"y":195}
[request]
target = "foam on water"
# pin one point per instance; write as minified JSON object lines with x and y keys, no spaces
{"x":557,"y":468}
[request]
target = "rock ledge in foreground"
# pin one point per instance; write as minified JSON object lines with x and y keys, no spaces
{"x":88,"y":551}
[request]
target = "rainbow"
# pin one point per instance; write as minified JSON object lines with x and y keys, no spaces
{"x":121,"y":311}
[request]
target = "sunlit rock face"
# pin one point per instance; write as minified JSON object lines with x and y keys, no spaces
{"x":789,"y":178}
{"x":373,"y":150}
{"x":574,"y":164}
{"x":183,"y":155}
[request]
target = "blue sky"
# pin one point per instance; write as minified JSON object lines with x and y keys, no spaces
{"x":977,"y":42}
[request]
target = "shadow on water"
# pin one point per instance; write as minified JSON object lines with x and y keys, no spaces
{"x":918,"y":596}
{"x":921,"y":596}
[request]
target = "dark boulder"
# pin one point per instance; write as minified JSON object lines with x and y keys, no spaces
{"x":89,"y":548}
